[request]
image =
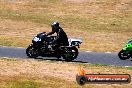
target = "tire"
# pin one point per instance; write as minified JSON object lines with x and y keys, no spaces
{"x":31,"y":52}
{"x":81,"y":80}
{"x":123,"y":56}
{"x":71,"y":54}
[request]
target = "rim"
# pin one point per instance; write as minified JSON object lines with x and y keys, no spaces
{"x":70,"y":53}
{"x":32,"y":52}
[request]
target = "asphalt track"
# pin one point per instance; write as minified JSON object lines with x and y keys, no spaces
{"x":84,"y":56}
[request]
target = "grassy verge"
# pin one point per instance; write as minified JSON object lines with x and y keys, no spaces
{"x":103,"y":25}
{"x":29,"y":73}
{"x":29,"y":82}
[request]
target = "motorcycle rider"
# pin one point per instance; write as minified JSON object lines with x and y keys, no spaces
{"x":61,"y":40}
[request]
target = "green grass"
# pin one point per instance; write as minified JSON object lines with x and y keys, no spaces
{"x":45,"y":82}
{"x":20,"y":16}
{"x":22,"y":84}
{"x":8,"y":59}
{"x":14,"y":41}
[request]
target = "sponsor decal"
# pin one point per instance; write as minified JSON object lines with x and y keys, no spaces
{"x":83,"y":78}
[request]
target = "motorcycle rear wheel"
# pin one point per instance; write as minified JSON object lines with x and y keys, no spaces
{"x":71,"y":54}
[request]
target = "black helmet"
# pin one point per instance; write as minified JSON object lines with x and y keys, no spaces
{"x":55,"y":24}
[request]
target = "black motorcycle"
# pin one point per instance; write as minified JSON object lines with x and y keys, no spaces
{"x":42,"y":46}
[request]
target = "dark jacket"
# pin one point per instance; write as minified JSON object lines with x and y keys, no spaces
{"x":62,"y":38}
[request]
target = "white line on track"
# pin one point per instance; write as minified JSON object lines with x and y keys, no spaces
{"x":88,"y":51}
{"x":92,"y":51}
{"x":12,"y":47}
{"x":127,"y":66}
{"x":107,"y":52}
{"x":4,"y":57}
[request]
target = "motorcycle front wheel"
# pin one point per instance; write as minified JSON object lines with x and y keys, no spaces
{"x":31,"y":52}
{"x":70,"y":54}
{"x":123,"y":55}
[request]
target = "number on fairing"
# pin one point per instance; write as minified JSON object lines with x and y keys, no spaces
{"x":36,"y":39}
